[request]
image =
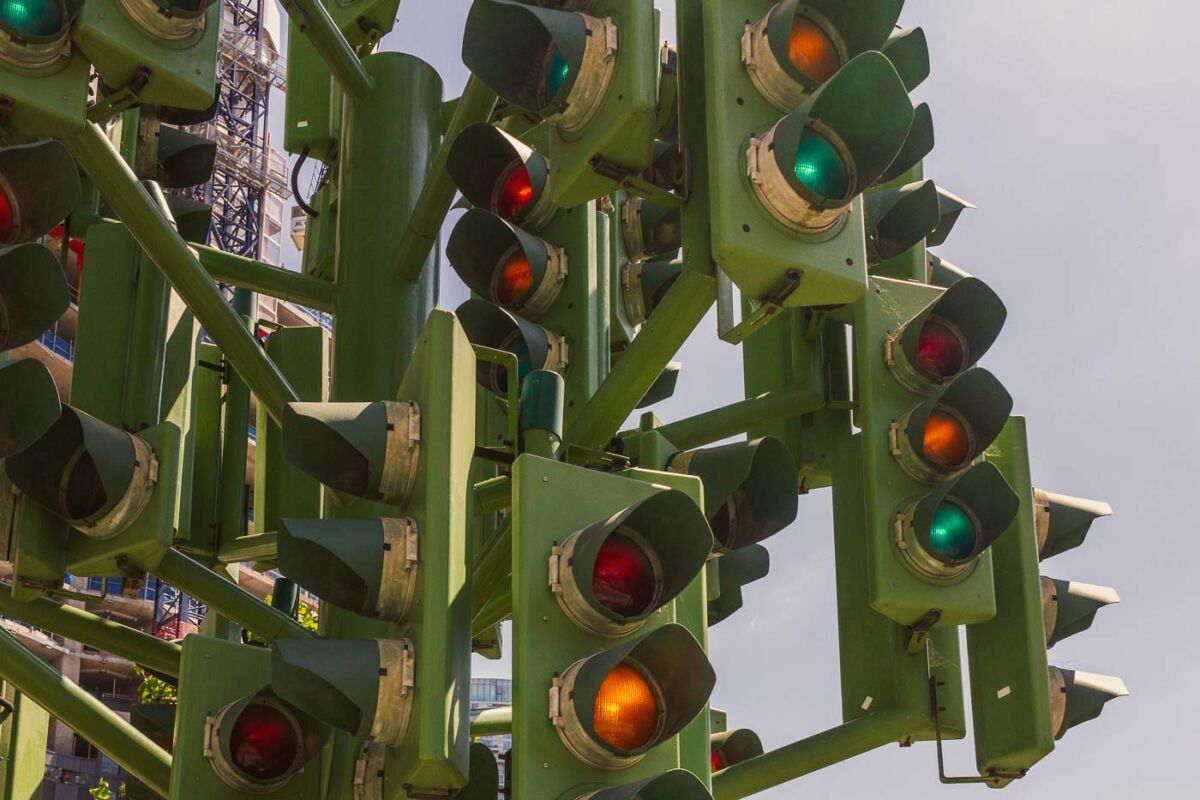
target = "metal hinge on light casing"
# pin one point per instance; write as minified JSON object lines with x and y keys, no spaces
{"x":555,"y":569}
{"x":556,"y":702}
{"x":209,"y":730}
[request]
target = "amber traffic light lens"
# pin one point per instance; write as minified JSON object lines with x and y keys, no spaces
{"x":811,"y":51}
{"x":264,"y":742}
{"x":626,"y":710}
{"x":623,"y":577}
{"x":947,"y":442}
{"x":515,"y":279}
{"x":940,"y":351}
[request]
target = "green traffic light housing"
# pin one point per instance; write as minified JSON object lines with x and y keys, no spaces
{"x":943,"y":435}
{"x":947,"y":337}
{"x":504,"y":264}
{"x":610,"y":576}
{"x":734,"y":571}
{"x":950,"y":207}
{"x":1077,"y":697}
{"x":650,"y":230}
{"x":39,"y":187}
{"x":918,"y":143}
{"x":811,"y":164}
{"x":369,"y":450}
{"x":33,"y":293}
{"x":29,"y":404}
{"x":1062,"y":522}
{"x":733,"y":747}
{"x":184,"y":159}
{"x":501,"y":174}
{"x":797,"y":47}
{"x":940,"y":536}
{"x":193,"y":219}
{"x":908,"y":50}
{"x":749,"y":489}
{"x":1069,"y":607}
{"x":644,"y":284}
{"x":554,"y":64}
{"x":362,"y":686}
{"x":367,"y":566}
{"x":489,"y":325}
{"x":898,"y":218}
{"x":610,"y":708}
{"x":674,"y":784}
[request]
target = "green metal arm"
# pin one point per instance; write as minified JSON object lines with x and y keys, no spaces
{"x":492,"y":721}
{"x":85,"y":715}
{"x":120,"y":187}
{"x":314,"y":21}
{"x":475,"y":105}
{"x":721,"y":423}
{"x":246,"y":273}
{"x":228,"y":598}
{"x":82,"y":626}
{"x":256,"y":547}
{"x":492,"y":495}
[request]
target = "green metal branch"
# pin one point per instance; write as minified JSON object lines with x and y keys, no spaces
{"x":475,"y":105}
{"x":492,"y":722}
{"x":816,"y":752}
{"x":82,"y":626}
{"x":85,"y":715}
{"x":497,"y":609}
{"x":736,"y":418}
{"x":228,"y":598}
{"x":246,"y":273}
{"x":492,"y":495}
{"x":314,"y":21}
{"x":256,"y":547}
{"x":120,"y":187}
{"x":677,"y":315}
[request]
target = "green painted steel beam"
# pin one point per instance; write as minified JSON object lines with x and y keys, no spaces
{"x":120,"y":187}
{"x":256,"y":547}
{"x":82,"y":626}
{"x":673,"y":320}
{"x":492,"y":495}
{"x":492,"y":722}
{"x":228,"y":598}
{"x":85,"y":715}
{"x":246,"y":273}
{"x":231,"y":491}
{"x":475,"y":105}
{"x":314,"y":22}
{"x":736,"y":418}
{"x":809,"y":755}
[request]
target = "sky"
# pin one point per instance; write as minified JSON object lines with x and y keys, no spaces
{"x":1070,"y":125}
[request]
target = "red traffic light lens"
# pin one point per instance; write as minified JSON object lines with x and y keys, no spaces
{"x":6,"y":214}
{"x":264,"y":742}
{"x":716,"y":762}
{"x":32,"y":17}
{"x":940,"y":351}
{"x":623,"y":576}
{"x":947,"y":442}
{"x":514,"y":280}
{"x":811,"y":51}
{"x":626,"y":709}
{"x":515,"y":193}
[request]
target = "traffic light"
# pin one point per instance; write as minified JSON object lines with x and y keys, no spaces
{"x":784,"y":193}
{"x":589,"y":71}
{"x":534,"y":346}
{"x":406,"y":687}
{"x":927,"y":414}
{"x":898,"y":218}
{"x":499,"y":173}
{"x":184,"y":160}
{"x":45,"y":86}
{"x":734,"y":747}
{"x":159,"y":52}
{"x":608,"y":570}
{"x":234,"y":737}
{"x":734,"y":570}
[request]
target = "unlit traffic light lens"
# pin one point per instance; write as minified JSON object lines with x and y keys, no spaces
{"x":623,"y":578}
{"x":264,"y":742}
{"x":820,"y":168}
{"x":626,"y":709}
{"x":946,"y":442}
{"x":940,"y":352}
{"x":514,"y":280}
{"x":32,"y":17}
{"x":515,"y":193}
{"x":811,"y":51}
{"x":951,"y":533}
{"x":557,"y":72}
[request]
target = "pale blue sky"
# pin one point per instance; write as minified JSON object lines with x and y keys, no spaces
{"x":1070,"y":125}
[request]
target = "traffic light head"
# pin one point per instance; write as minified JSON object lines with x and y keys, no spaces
{"x":501,"y":174}
{"x":918,"y":143}
{"x":1077,"y":697}
{"x":614,"y":706}
{"x":950,"y":207}
{"x":1062,"y":522}
{"x":1068,"y":607}
{"x":644,"y":284}
{"x":39,"y":184}
{"x":535,"y":347}
{"x":734,"y":571}
{"x":898,"y":218}
{"x":733,"y":747}
{"x":611,"y":575}
{"x":184,"y":159}
{"x":369,"y":450}
{"x":29,"y":404}
{"x":258,"y":743}
{"x":808,"y":168}
{"x":947,"y":337}
{"x":367,"y":566}
{"x":554,"y":64}
{"x":675,"y":784}
{"x":908,"y":50}
{"x":797,"y":47}
{"x":650,"y":230}
{"x":749,"y":489}
{"x":501,"y":262}
{"x":940,"y":535}
{"x":33,"y":293}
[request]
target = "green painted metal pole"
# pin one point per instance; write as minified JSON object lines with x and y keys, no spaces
{"x":295,"y":287}
{"x":146,"y":361}
{"x":685,"y":304}
{"x":235,"y":442}
{"x":257,"y":547}
{"x":735,"y":418}
{"x":117,"y":183}
{"x":314,"y":22}
{"x":85,"y":715}
{"x":82,"y":626}
{"x":227,"y":598}
{"x":492,"y":495}
{"x":475,"y":105}
{"x":497,"y":609}
{"x":492,"y":568}
{"x":492,"y":722}
{"x":809,"y":755}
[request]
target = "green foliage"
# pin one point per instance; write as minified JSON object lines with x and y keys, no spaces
{"x":154,"y":690}
{"x":102,"y":791}
{"x":307,"y":614}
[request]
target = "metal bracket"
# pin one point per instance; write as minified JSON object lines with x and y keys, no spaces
{"x":121,"y":100}
{"x":634,"y":183}
{"x":762,"y":312}
{"x":595,"y":459}
{"x":994,"y":777}
{"x":918,"y":634}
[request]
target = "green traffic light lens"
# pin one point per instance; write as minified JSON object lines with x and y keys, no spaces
{"x":32,"y":17}
{"x":952,"y":533}
{"x":557,"y":72}
{"x":820,"y":167}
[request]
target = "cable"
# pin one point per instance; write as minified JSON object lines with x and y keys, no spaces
{"x":305,"y":207}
